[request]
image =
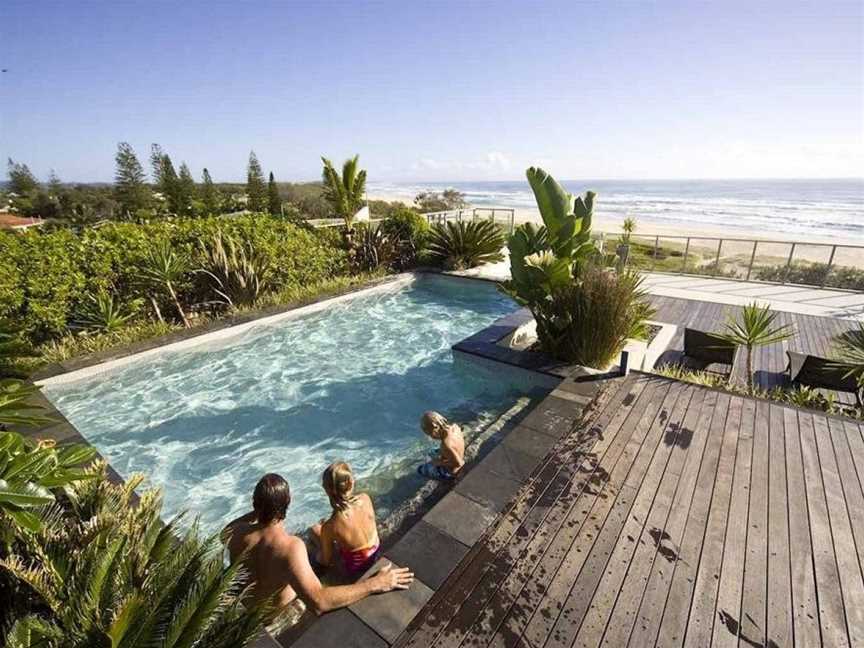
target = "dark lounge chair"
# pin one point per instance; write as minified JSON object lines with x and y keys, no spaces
{"x":702,"y":349}
{"x":821,"y":373}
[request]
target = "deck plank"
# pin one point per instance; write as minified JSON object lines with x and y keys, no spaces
{"x":852,"y":587}
{"x":700,"y":625}
{"x":804,"y":600}
{"x":673,"y":624}
{"x":779,"y":609}
{"x":731,"y":584}
{"x":832,"y":617}
{"x":753,"y":604}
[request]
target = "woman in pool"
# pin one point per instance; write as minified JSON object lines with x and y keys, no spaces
{"x":351,"y":529}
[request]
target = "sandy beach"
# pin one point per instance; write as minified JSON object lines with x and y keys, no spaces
{"x":648,"y":228}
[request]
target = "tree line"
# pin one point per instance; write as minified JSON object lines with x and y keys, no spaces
{"x":170,"y":191}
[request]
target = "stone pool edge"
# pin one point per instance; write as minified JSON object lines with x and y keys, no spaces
{"x":436,"y":543}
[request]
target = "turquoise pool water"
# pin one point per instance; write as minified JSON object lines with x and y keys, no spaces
{"x":348,"y":382}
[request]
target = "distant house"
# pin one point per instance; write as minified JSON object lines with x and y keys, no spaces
{"x":9,"y":221}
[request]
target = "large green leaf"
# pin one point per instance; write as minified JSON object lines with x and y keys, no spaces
{"x":27,"y":495}
{"x":553,"y":202}
{"x":25,"y":519}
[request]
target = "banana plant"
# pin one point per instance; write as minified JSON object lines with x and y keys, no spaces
{"x":550,"y":257}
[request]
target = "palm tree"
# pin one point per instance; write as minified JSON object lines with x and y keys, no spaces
{"x":163,"y":268}
{"x":345,"y":193}
{"x":109,"y":573}
{"x":756,"y":328}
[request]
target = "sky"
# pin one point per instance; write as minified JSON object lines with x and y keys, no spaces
{"x":438,"y":91}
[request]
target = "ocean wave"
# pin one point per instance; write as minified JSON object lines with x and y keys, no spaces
{"x":800,"y":207}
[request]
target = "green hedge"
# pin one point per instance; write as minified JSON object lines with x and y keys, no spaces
{"x":46,"y":276}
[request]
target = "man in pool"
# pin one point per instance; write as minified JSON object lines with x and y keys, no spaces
{"x":279,"y":564}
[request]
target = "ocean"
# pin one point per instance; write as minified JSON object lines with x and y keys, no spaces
{"x":823,"y":209}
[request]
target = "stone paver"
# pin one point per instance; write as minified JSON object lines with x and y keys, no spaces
{"x":431,"y":553}
{"x":389,"y":614}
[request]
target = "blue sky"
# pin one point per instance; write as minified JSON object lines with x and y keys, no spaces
{"x":438,"y":90}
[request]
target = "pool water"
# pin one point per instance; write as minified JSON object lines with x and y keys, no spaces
{"x":347,"y":382}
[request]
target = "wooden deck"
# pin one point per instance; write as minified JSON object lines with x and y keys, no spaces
{"x":813,"y":335}
{"x":680,"y":516}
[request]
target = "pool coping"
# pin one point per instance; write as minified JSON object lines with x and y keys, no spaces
{"x":456,"y":521}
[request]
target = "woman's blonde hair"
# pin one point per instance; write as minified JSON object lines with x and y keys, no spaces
{"x":338,"y":483}
{"x":434,"y":424}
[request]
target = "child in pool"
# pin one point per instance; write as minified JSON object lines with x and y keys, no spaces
{"x":451,"y":455}
{"x":351,"y":527}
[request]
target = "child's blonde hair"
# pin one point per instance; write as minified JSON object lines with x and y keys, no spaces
{"x":338,"y":483}
{"x":435,"y":425}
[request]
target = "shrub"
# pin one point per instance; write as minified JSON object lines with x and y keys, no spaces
{"x":46,"y":278}
{"x":814,"y":274}
{"x":371,"y":248}
{"x":237,"y":272}
{"x":102,"y":313}
{"x":409,"y":232}
{"x":588,"y":322}
{"x":461,"y":245}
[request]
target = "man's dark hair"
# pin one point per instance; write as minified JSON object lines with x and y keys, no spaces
{"x":271,"y":498}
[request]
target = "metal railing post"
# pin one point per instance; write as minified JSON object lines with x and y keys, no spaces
{"x":512,"y":220}
{"x":686,"y":253}
{"x":788,"y":264}
{"x":656,"y":249}
{"x":717,"y":258}
{"x":752,"y":259}
{"x":828,"y":269}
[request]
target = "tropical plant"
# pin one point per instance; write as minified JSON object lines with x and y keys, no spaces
{"x":409,"y":232}
{"x":16,"y":405}
{"x":850,"y":348}
{"x":460,"y":245}
{"x":29,"y":471}
{"x":550,"y":257}
{"x":238,"y":273}
{"x":755,"y":328}
{"x":371,"y":248}
{"x":13,"y":347}
{"x":109,"y":573}
{"x":584,"y":312}
{"x":163,"y":268}
{"x":346,"y":192}
{"x":103,"y":313}
{"x":627,"y":229}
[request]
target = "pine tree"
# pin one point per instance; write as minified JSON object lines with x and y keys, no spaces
{"x":55,"y":187}
{"x":256,"y":191}
{"x":273,"y":200}
{"x":21,"y":179}
{"x":165,"y":178}
{"x":210,"y":195}
{"x":186,"y":191}
{"x":129,"y":188}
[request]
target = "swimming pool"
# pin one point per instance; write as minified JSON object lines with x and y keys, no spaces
{"x":346,"y":380}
